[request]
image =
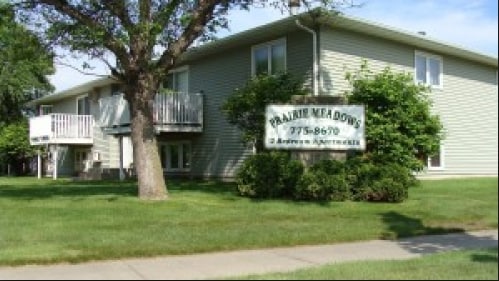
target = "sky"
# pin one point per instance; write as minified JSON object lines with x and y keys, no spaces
{"x":471,"y":24}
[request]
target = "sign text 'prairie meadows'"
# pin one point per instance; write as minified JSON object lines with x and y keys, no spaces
{"x":327,"y":127}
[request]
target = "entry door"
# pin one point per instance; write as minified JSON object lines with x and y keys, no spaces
{"x":82,"y":159}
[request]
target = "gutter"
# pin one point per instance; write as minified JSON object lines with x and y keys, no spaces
{"x":315,"y":69}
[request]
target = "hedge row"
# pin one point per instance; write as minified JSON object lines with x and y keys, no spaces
{"x":276,"y":175}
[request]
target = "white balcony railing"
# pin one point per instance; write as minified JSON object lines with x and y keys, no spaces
{"x":61,"y":128}
{"x":173,"y":112}
{"x":185,"y":109}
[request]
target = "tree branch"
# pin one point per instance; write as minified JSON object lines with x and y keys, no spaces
{"x":118,"y":8}
{"x":59,"y":62}
{"x":114,"y":45}
{"x":200,"y":17}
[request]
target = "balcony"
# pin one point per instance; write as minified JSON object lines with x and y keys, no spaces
{"x":61,"y":129}
{"x":174,"y":112}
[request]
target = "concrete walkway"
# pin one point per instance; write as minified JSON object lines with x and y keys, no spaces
{"x":237,"y":263}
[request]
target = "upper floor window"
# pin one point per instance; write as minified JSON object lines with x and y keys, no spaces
{"x":45,"y":109}
{"x":428,"y":69}
{"x":269,"y":58}
{"x":178,"y":80}
{"x":83,"y":105}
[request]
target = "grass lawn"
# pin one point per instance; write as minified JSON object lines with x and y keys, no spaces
{"x":478,"y":264}
{"x":45,"y":221}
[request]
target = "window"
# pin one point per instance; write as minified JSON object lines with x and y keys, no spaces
{"x":83,"y":106}
{"x":269,"y":57}
{"x":178,"y":80}
{"x":176,"y":156}
{"x":428,"y":69}
{"x":45,"y":109}
{"x":436,"y":162}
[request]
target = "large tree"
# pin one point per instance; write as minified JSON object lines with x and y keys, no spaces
{"x":24,"y":64}
{"x":147,"y":38}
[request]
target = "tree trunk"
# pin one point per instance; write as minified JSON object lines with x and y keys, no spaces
{"x":147,"y":162}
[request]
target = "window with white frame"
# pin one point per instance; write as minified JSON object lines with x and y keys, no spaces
{"x":45,"y":109}
{"x":178,"y":80}
{"x":176,"y":156}
{"x":428,"y":69}
{"x":436,"y":162}
{"x":269,"y":58}
{"x":83,"y":105}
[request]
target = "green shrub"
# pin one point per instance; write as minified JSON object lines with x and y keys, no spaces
{"x":399,"y":125}
{"x":330,"y":167}
{"x":386,"y":190}
{"x":268,"y":175}
{"x":317,"y":185}
{"x":386,"y":183}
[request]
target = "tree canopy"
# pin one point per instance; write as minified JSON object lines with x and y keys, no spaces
{"x":24,"y":65}
{"x":400,"y":128}
{"x":15,"y":149}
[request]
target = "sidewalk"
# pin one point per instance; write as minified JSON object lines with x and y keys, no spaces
{"x":236,"y":263}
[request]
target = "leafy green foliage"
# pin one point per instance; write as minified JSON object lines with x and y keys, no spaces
{"x":317,"y":185}
{"x":24,"y":64}
{"x":323,"y":181}
{"x":274,"y":175}
{"x":14,"y":145}
{"x":268,"y":175}
{"x":399,"y":125}
{"x":245,"y":108}
{"x":382,"y":183}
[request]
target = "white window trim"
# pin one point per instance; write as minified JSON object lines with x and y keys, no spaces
{"x":168,"y":168}
{"x":441,"y":74}
{"x":269,"y":56}
{"x":79,"y":98}
{"x":45,"y":106}
{"x":442,"y":161}
{"x":180,"y":69}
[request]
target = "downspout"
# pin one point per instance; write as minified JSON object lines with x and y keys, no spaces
{"x":315,"y":68}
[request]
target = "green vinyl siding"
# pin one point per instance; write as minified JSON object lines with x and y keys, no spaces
{"x":218,"y":151}
{"x":466,"y":103}
{"x":344,"y":51}
{"x":67,"y":106}
{"x":467,"y":106}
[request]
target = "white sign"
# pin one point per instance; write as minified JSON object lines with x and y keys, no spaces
{"x":319,"y":127}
